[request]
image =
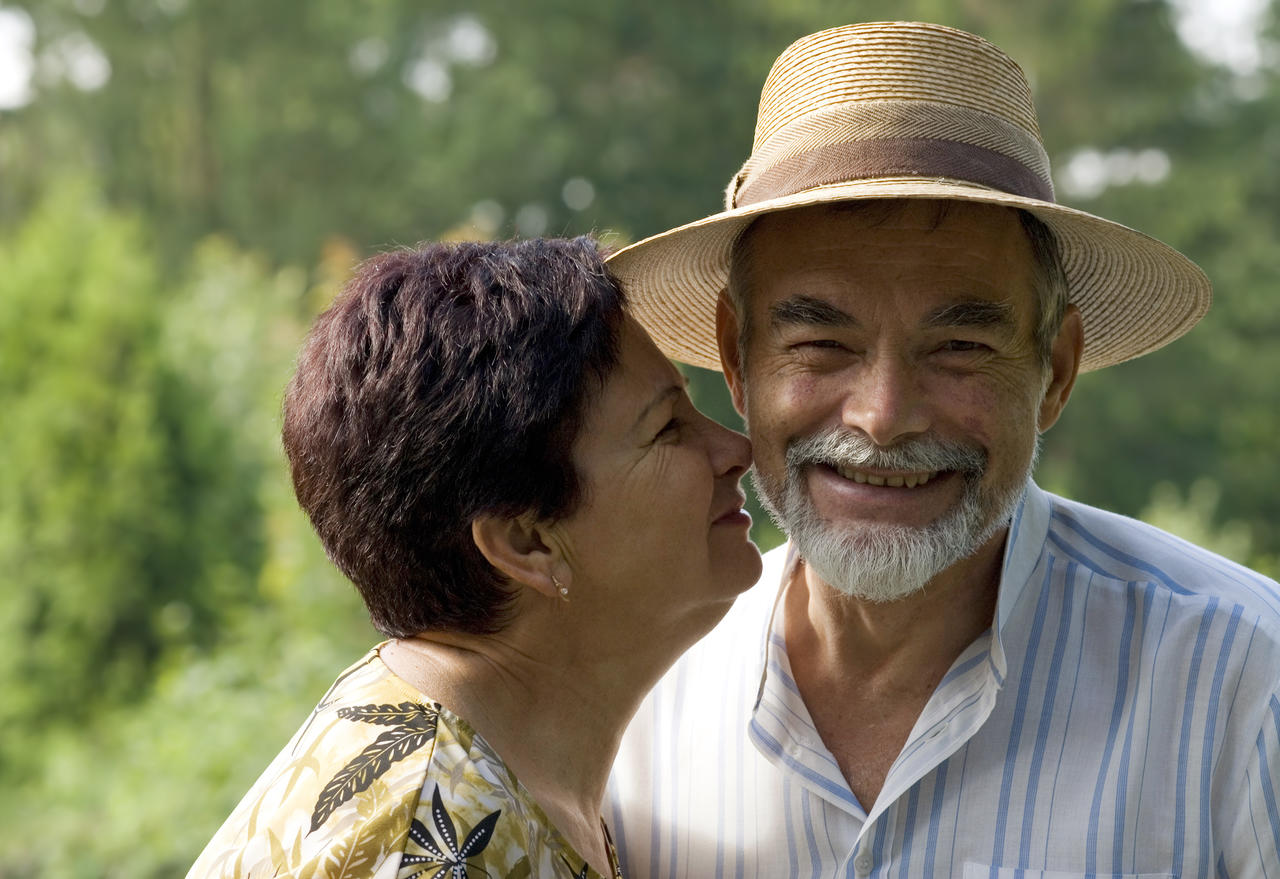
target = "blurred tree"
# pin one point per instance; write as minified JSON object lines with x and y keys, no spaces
{"x":146,"y":517}
{"x":235,"y":117}
{"x":127,"y":523}
{"x":1208,"y":405}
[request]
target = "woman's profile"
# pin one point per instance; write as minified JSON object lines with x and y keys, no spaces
{"x":539,"y":521}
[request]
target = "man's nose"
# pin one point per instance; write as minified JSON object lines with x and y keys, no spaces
{"x":886,"y":402}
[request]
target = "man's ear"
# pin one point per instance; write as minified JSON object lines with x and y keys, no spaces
{"x":727,"y":329}
{"x":518,"y":547}
{"x":1064,"y":364}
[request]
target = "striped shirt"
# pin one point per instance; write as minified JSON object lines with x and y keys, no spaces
{"x":1121,"y":717}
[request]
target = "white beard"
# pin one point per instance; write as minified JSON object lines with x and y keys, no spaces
{"x":880,"y":562}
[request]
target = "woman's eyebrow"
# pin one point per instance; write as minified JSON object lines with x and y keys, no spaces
{"x":673,"y":390}
{"x":973,"y":313}
{"x":807,"y":311}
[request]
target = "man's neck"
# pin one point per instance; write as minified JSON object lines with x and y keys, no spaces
{"x":866,"y":670}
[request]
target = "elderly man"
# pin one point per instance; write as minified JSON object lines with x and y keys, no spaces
{"x":947,"y":671}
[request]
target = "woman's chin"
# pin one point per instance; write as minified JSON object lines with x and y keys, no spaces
{"x":736,"y":566}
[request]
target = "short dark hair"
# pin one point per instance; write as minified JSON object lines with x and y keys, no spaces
{"x":1050,"y":276}
{"x":444,"y":383}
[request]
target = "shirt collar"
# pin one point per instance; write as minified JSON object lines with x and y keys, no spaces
{"x":1022,"y":550}
{"x":780,"y":727}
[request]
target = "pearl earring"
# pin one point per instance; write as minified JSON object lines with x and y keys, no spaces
{"x":560,"y":587}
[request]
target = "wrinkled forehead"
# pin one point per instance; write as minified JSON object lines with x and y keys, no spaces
{"x":864,"y":247}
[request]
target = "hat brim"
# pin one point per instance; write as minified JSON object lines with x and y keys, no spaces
{"x":1134,"y":293}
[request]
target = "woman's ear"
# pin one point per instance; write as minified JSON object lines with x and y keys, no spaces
{"x":518,"y":547}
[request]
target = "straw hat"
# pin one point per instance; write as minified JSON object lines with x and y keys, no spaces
{"x":908,"y":110}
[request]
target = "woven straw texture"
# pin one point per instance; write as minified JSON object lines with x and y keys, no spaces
{"x":834,"y":104}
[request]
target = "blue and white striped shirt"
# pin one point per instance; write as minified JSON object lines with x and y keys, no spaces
{"x":1120,"y":718}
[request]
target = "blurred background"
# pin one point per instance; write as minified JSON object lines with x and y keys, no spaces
{"x":184,"y":185}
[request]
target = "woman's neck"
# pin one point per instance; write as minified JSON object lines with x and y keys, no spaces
{"x":554,"y":717}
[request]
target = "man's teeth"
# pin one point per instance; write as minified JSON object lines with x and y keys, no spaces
{"x":909,"y":480}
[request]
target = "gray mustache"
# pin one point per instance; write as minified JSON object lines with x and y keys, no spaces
{"x":850,"y":449}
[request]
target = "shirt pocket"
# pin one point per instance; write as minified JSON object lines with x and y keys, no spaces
{"x":982,"y":871}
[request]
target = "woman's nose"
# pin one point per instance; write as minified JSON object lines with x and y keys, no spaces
{"x":730,"y":451}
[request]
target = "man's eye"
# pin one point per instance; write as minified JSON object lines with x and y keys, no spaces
{"x":669,"y":428}
{"x":827,"y":344}
{"x":963,"y":345}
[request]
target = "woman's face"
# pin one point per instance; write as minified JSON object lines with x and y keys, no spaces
{"x":660,"y":535}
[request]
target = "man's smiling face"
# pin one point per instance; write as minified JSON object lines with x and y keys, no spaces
{"x":891,"y":384}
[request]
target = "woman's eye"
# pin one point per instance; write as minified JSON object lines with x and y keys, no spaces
{"x":669,"y":428}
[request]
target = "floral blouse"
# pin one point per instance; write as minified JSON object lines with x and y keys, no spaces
{"x":382,"y":783}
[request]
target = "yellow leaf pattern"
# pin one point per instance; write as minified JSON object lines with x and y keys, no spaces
{"x":381,"y":782}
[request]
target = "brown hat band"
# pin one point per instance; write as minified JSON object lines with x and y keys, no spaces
{"x":894,"y":157}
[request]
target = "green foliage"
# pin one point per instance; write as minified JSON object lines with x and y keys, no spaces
{"x":143,"y":787}
{"x":126,"y":520}
{"x":168,"y":618}
{"x":1208,"y":405}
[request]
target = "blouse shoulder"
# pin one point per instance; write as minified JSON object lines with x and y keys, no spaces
{"x":382,"y":782}
{"x":339,"y":799}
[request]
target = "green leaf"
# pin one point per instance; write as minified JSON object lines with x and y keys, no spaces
{"x":351,"y":857}
{"x":387,"y":749}
{"x":409,"y":714}
{"x":444,"y":824}
{"x":478,"y":839}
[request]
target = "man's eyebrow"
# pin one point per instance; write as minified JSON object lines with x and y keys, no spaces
{"x":808,"y":311}
{"x":973,"y":313}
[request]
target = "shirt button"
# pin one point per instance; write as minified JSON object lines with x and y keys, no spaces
{"x":863,"y":863}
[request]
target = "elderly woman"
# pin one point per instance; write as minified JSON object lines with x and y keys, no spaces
{"x":540,"y":521}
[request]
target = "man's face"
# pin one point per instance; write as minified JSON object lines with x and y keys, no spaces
{"x":891,"y":385}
